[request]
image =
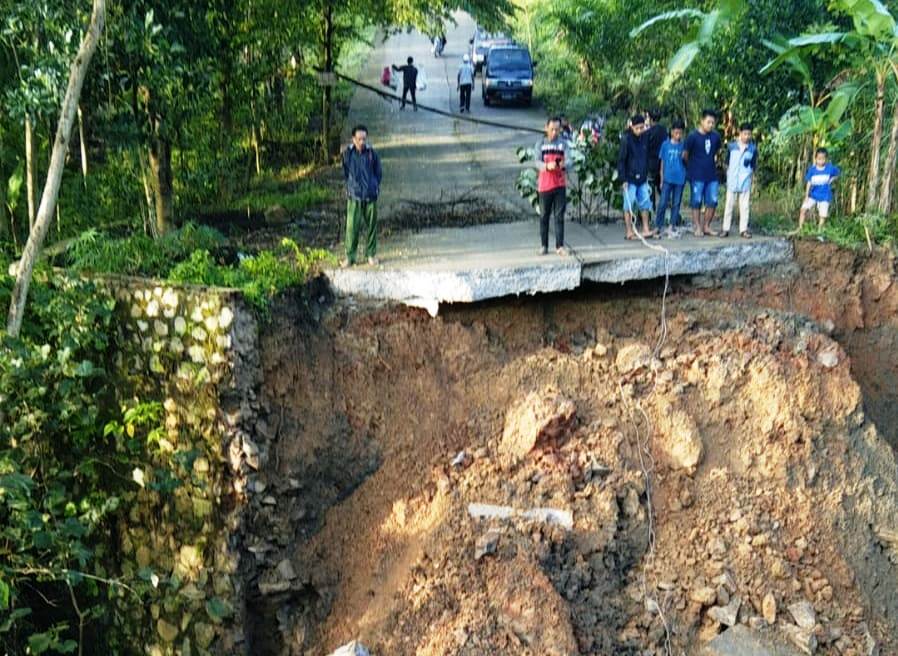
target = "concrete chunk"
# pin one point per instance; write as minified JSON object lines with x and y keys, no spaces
{"x":743,"y":641}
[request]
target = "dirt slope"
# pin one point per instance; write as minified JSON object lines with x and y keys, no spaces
{"x":741,"y":445}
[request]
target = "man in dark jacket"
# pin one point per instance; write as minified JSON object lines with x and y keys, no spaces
{"x":655,"y":136}
{"x":632,"y":171}
{"x":409,"y":81}
{"x":362,"y":173}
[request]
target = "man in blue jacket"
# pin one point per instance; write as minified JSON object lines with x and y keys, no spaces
{"x":362,"y":172}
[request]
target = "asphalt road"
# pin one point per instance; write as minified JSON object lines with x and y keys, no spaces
{"x":430,"y":157}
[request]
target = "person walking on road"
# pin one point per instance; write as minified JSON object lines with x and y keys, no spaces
{"x":700,"y":155}
{"x":633,"y":171}
{"x":362,"y":173}
{"x":552,"y":157}
{"x":465,"y":83}
{"x":409,"y":81}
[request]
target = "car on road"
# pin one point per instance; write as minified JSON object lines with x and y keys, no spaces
{"x":508,"y":75}
{"x":481,"y":43}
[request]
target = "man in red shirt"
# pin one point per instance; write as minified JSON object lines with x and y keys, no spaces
{"x":552,"y":159}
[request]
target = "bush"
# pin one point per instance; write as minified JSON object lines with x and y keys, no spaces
{"x":63,"y":479}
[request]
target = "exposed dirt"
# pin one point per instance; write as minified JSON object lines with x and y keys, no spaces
{"x":851,"y":294}
{"x":741,"y":445}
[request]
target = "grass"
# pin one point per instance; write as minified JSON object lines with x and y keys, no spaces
{"x":198,"y":255}
{"x":845,"y":231}
{"x":306,"y":196}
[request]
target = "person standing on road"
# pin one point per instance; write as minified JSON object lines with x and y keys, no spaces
{"x":700,"y":155}
{"x":362,"y":173}
{"x":655,"y":136}
{"x":465,"y":83}
{"x":409,"y":81}
{"x":632,"y":171}
{"x":552,"y":156}
{"x":742,"y":161}
{"x":673,"y":178}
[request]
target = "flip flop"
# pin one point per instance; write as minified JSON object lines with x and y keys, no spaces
{"x":710,"y":233}
{"x":745,"y":235}
{"x":632,"y":237}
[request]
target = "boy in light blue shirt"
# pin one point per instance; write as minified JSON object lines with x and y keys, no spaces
{"x":742,"y":161}
{"x":673,"y":177}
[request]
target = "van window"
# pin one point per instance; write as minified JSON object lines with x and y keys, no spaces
{"x":509,"y":60}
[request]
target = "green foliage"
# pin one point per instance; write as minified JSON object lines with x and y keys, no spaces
{"x":294,"y":201}
{"x":259,"y":277}
{"x":140,"y":254}
{"x":63,"y":480}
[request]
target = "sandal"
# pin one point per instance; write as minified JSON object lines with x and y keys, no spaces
{"x":724,"y":234}
{"x":632,"y":237}
{"x":710,"y":233}
{"x":745,"y":235}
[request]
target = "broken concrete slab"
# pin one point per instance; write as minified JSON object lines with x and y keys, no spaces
{"x":743,"y":641}
{"x":466,"y":265}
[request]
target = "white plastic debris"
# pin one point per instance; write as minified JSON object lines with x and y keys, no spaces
{"x":354,"y":648}
{"x":562,"y":518}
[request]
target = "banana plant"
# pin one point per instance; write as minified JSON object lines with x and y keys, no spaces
{"x":707,"y":24}
{"x":872,"y":46}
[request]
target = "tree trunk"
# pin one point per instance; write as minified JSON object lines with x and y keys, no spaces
{"x":83,"y":143}
{"x":29,"y":170}
{"x":328,"y":68}
{"x":54,"y":174}
{"x":876,"y":142}
{"x":885,"y":191}
{"x":5,"y":223}
{"x":163,"y":187}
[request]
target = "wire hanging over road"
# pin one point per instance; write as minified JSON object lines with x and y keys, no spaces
{"x":442,"y":112}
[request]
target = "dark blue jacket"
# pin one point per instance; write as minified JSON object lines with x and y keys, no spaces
{"x":362,"y":173}
{"x":633,"y":162}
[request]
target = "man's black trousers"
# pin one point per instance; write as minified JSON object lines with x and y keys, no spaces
{"x":405,"y":92}
{"x":552,"y":203}
{"x":464,"y":100}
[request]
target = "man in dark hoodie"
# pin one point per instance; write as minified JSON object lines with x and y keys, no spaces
{"x":632,"y":170}
{"x":362,"y":173}
{"x":409,"y":81}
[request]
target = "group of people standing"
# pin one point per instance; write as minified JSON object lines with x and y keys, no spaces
{"x":655,"y":166}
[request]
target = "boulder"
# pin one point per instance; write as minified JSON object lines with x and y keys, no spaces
{"x":540,"y":420}
{"x":743,"y":641}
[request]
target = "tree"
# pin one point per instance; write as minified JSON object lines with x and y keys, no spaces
{"x":872,"y":46}
{"x":54,"y":175}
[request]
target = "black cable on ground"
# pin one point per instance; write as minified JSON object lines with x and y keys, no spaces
{"x":459,"y":117}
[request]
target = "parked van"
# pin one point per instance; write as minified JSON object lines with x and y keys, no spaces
{"x":508,"y":75}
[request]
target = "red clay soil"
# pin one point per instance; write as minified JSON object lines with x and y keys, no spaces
{"x":740,"y":444}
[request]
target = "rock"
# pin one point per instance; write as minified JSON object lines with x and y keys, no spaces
{"x":285,"y":570}
{"x":632,"y":357}
{"x":705,"y":595}
{"x":276,"y":215}
{"x":486,"y":544}
{"x":168,"y":632}
{"x":539,"y":420}
{"x":459,"y":459}
{"x":743,"y":641}
{"x":679,"y":436}
{"x":768,"y":608}
{"x":354,"y":648}
{"x":803,"y":614}
{"x":829,"y":358}
{"x":205,"y":634}
{"x":727,"y":615}
{"x":273,"y":588}
{"x":805,"y":640}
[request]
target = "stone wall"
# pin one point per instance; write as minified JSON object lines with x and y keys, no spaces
{"x":195,"y":350}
